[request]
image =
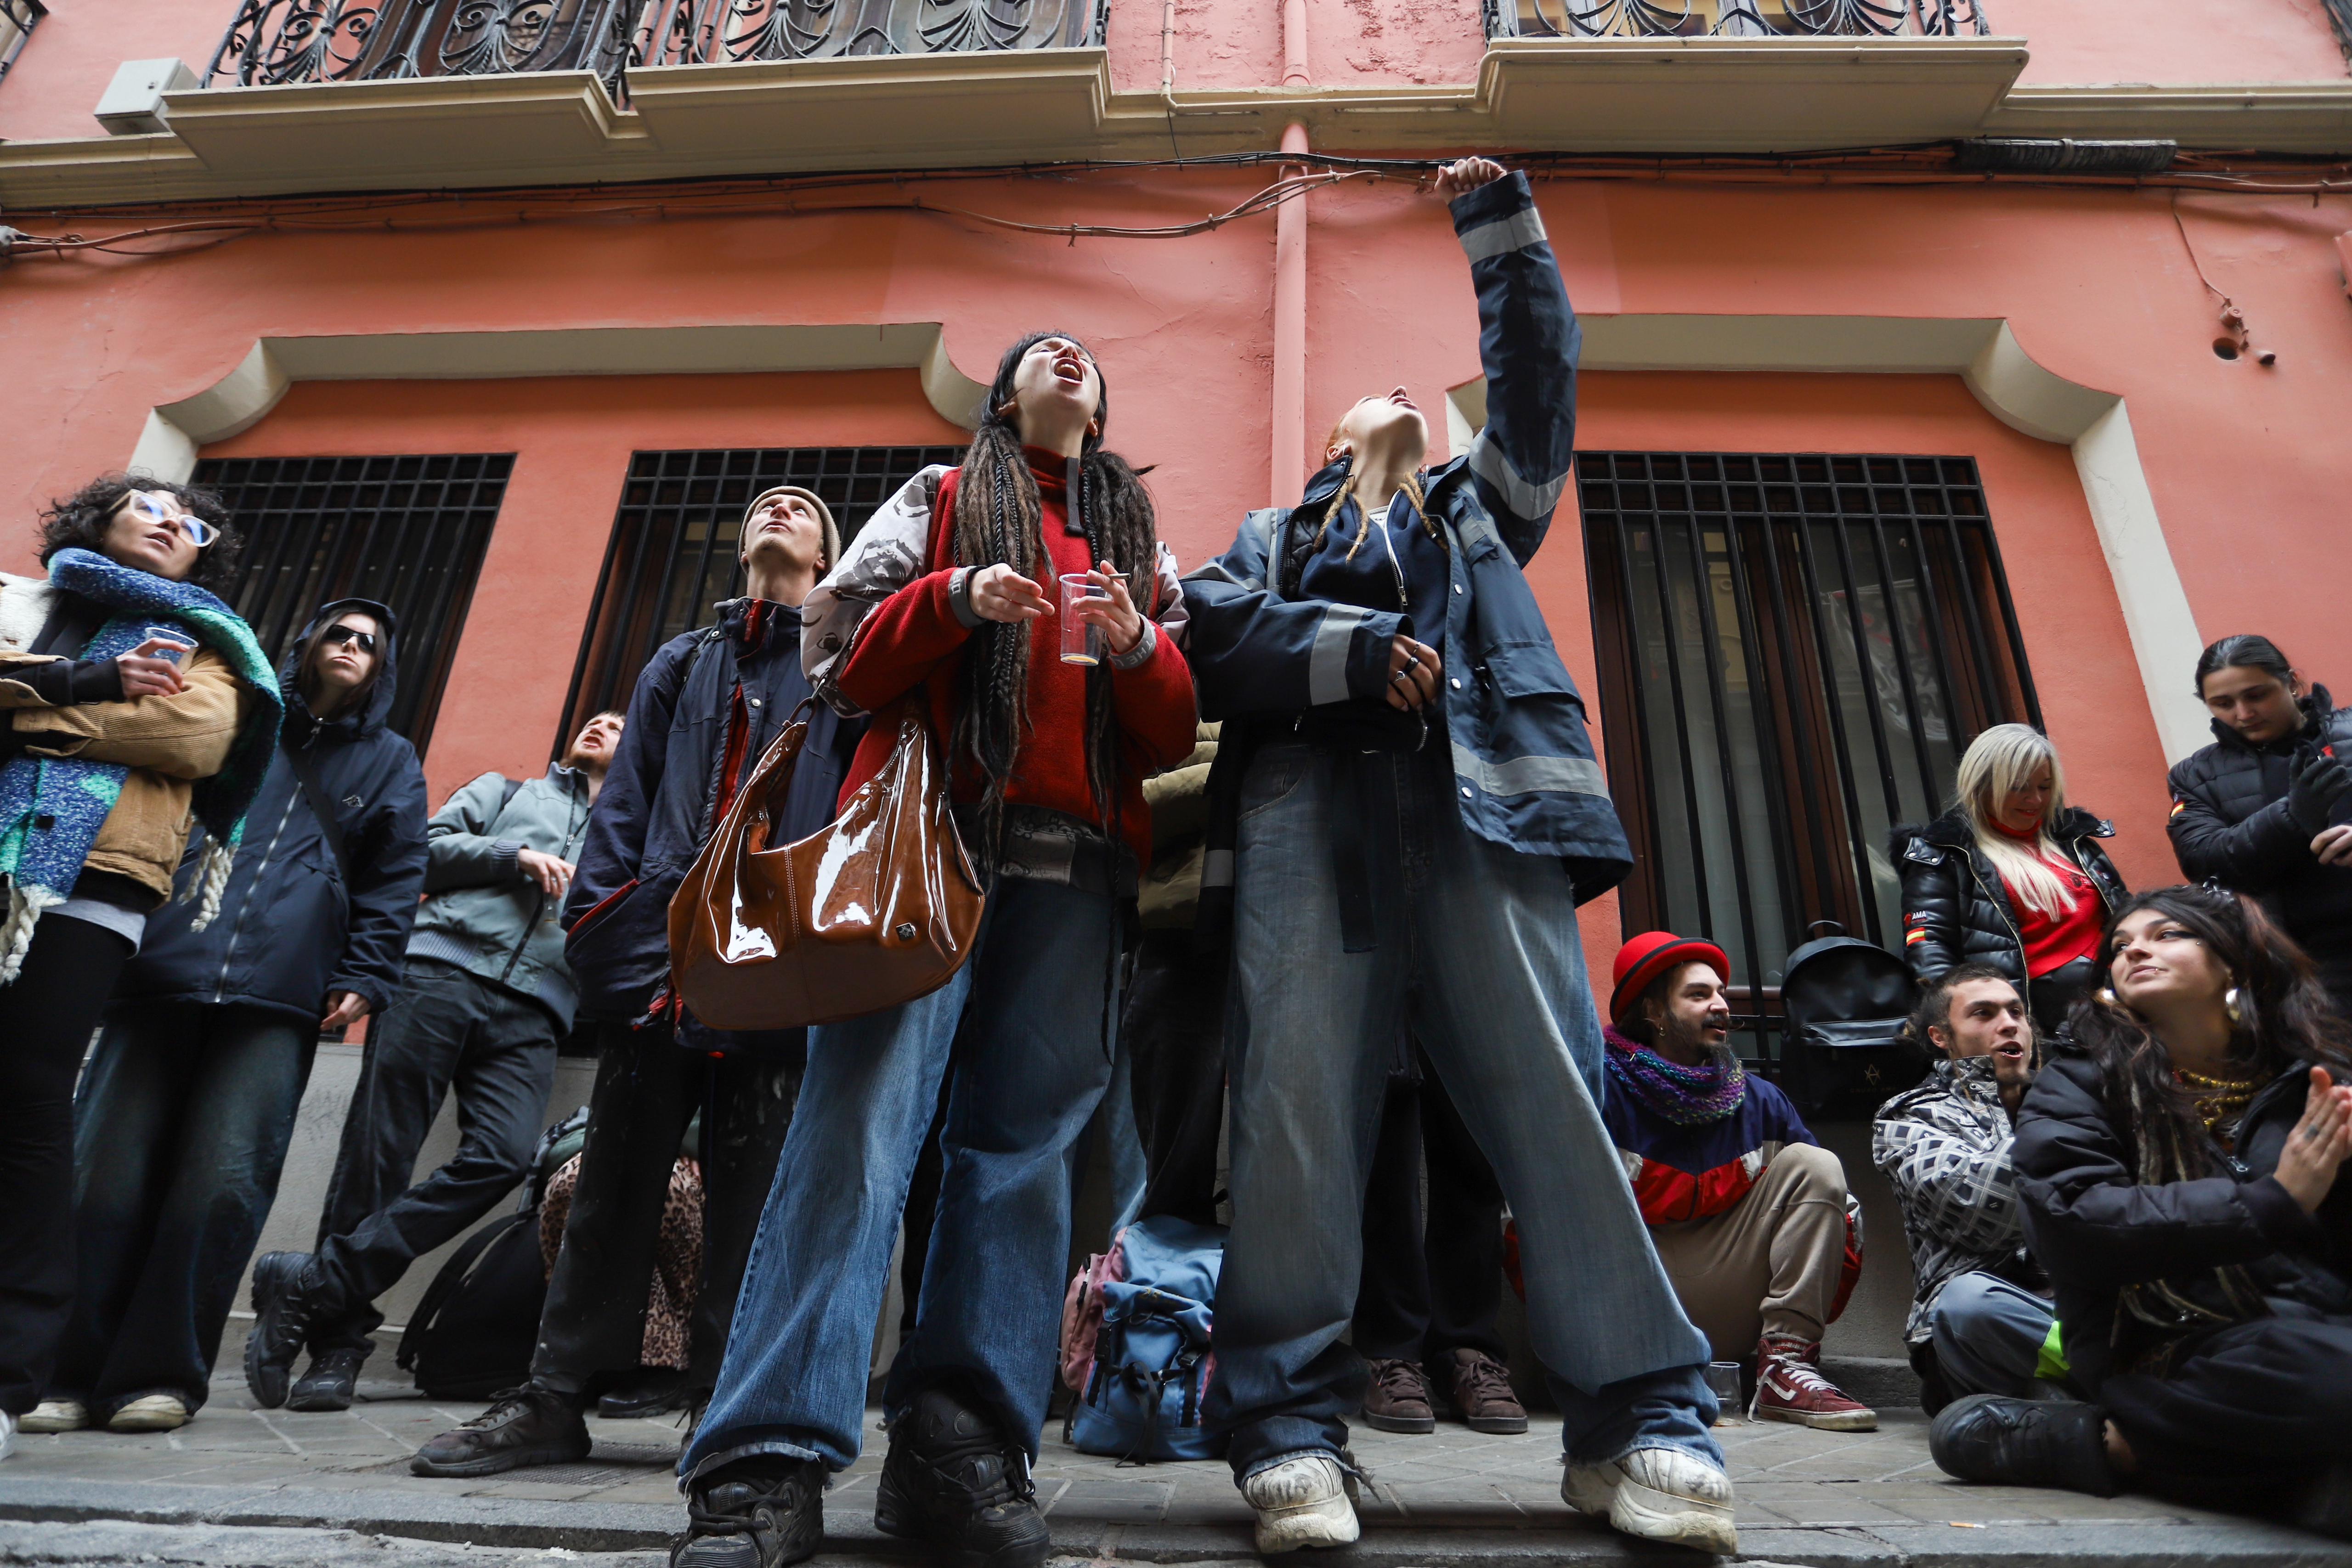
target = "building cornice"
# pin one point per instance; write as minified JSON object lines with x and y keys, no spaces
{"x":983,"y":109}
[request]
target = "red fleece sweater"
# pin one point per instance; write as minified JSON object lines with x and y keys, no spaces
{"x":913,"y":638}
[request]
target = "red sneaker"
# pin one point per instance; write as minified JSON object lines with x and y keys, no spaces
{"x":1790,"y":1387}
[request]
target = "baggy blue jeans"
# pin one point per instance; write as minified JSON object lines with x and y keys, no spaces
{"x":1477,"y":947}
{"x":1023,"y":1025}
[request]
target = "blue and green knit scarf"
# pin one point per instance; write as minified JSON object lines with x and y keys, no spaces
{"x":52,"y":808}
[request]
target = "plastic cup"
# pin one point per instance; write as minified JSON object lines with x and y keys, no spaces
{"x":1082,"y":641}
{"x":1723,"y":1377}
{"x":178,"y":639}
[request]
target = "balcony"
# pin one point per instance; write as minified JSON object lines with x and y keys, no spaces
{"x":278,"y":43}
{"x":1734,"y":20}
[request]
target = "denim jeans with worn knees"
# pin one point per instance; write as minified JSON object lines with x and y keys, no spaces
{"x":1476,"y":948}
{"x":1023,"y":1024}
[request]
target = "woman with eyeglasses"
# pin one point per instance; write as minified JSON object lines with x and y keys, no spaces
{"x":2179,"y":1171}
{"x":135,"y":702}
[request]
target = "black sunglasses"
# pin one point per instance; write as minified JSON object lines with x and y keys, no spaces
{"x":339,"y":632}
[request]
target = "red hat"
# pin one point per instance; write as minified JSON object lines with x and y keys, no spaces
{"x":1652,"y":953}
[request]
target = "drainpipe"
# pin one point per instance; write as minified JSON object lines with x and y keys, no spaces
{"x":1288,"y":471}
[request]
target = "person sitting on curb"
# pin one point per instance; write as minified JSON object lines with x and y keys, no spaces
{"x":1749,"y":1213}
{"x":487,"y":999}
{"x":1980,"y":1315}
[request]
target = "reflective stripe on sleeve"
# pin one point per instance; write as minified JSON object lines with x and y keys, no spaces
{"x":1327,"y":665}
{"x":1528,"y":775}
{"x":1520,"y":230}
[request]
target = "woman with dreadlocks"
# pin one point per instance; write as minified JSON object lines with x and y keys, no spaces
{"x":941,"y":601}
{"x":1406,"y":812}
{"x":2179,"y":1174}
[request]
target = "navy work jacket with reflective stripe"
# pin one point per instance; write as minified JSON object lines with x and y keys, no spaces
{"x":1523,"y":769}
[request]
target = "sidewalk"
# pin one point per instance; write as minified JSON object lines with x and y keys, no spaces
{"x":1452,"y":1499}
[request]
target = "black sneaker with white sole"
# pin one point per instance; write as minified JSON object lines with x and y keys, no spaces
{"x":754,"y":1513}
{"x":954,"y":1479}
{"x":523,"y":1426}
{"x":331,"y":1383}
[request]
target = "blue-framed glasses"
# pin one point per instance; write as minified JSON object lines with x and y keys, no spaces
{"x":155,"y":508}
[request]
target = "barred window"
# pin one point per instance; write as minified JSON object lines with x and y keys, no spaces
{"x":409,"y":532}
{"x":1794,"y":651}
{"x":672,"y":553}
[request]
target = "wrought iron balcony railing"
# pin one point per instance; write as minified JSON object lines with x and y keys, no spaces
{"x":273,"y":42}
{"x":1733,"y":19}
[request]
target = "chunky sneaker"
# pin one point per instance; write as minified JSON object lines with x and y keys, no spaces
{"x":1658,"y":1494}
{"x":2023,"y":1443}
{"x":753,"y":1513}
{"x":149,"y":1413}
{"x":1790,"y":1387}
{"x":327,"y":1385}
{"x":1482,"y":1394}
{"x":526,"y":1426}
{"x":283,"y":1304}
{"x":1307,"y":1500}
{"x":7,"y":1434}
{"x":954,"y":1479}
{"x":56,"y":1415}
{"x":1398,"y":1399}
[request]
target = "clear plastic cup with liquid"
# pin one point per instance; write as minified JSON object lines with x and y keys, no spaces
{"x":1082,"y":641}
{"x":1723,"y":1377}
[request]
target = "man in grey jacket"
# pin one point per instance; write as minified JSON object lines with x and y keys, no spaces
{"x":487,"y":999}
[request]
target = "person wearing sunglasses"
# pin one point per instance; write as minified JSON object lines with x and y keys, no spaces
{"x":132,"y":701}
{"x":187,"y":1106}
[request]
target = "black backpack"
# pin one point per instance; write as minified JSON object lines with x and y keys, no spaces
{"x":1843,"y":1006}
{"x":473,"y":1334}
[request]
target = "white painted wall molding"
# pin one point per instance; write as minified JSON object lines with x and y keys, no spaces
{"x":2016,"y":389}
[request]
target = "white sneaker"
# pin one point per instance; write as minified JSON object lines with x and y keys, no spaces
{"x":1658,"y":1494}
{"x":151,"y":1413}
{"x":56,"y":1415}
{"x":7,"y":1434}
{"x":1305,"y":1501}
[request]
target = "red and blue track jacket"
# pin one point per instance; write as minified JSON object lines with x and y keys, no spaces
{"x":1682,"y":1173}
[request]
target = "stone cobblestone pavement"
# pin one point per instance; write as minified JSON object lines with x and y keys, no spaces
{"x":1454,"y":1498}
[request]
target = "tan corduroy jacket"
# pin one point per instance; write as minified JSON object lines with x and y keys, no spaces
{"x":168,"y":743}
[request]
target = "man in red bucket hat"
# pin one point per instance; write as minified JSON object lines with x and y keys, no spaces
{"x":1749,"y":1213}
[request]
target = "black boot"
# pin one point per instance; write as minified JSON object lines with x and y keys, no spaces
{"x":2024,"y":1443}
{"x":952,"y":1479}
{"x":652,"y":1391}
{"x":753,"y":1513}
{"x":328,"y":1384}
{"x":526,"y":1426}
{"x":285,"y":1294}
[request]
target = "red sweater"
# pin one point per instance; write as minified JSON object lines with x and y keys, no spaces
{"x":2052,"y":942}
{"x":912,"y":639}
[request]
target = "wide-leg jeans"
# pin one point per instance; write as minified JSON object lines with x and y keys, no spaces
{"x":1476,"y":950}
{"x":1024,"y":1025}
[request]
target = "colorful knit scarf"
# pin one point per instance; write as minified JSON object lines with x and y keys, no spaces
{"x":1686,"y":1096}
{"x":52,"y":808}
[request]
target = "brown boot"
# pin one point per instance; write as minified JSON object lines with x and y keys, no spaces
{"x":1398,"y":1400}
{"x":1482,"y":1394}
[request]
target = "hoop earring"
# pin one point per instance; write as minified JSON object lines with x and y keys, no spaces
{"x":2229,"y":1005}
{"x":2105,"y":996}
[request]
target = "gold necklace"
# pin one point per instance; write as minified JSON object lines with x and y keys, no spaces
{"x":2219,"y":1100}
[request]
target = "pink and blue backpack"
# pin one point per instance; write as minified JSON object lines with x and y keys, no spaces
{"x":1136,"y":1344}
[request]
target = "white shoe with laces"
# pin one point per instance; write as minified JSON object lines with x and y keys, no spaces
{"x":1307,"y":1499}
{"x":7,"y":1434}
{"x":1658,"y":1494}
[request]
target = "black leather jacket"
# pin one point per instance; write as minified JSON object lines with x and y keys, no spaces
{"x":2229,"y":821}
{"x":2096,"y":1229}
{"x":1955,"y":909}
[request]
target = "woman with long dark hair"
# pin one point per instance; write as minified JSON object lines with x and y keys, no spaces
{"x":943,"y":601}
{"x":2267,"y":808}
{"x":132,"y":702}
{"x":2179,"y":1169}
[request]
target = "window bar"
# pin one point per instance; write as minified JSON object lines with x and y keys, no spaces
{"x":588,"y":644}
{"x":1780,"y":601}
{"x":1860,"y":849}
{"x":1765,"y":713}
{"x":2009,"y":621}
{"x":1671,"y":629}
{"x":1979,"y":649}
{"x":1643,"y":751}
{"x":1887,"y":781}
{"x":1726,"y":762}
{"x":1931,"y":611}
{"x":1893,"y":609}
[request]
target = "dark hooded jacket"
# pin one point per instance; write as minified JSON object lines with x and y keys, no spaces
{"x":2230,"y":821}
{"x":295,"y":923}
{"x":2096,"y":1230}
{"x":1955,"y":909}
{"x":706,"y":704}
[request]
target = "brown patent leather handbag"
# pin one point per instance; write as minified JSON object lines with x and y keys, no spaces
{"x":875,"y":909}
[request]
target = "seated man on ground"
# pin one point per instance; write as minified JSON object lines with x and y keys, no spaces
{"x":1747,"y":1210}
{"x":1981,"y":1316}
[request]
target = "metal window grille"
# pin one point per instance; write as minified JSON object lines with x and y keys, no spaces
{"x":672,"y":554}
{"x":17,"y":20}
{"x":408,"y":531}
{"x":1794,"y":651}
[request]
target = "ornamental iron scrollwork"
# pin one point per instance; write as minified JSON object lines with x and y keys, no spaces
{"x":1734,"y":18}
{"x":273,"y":43}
